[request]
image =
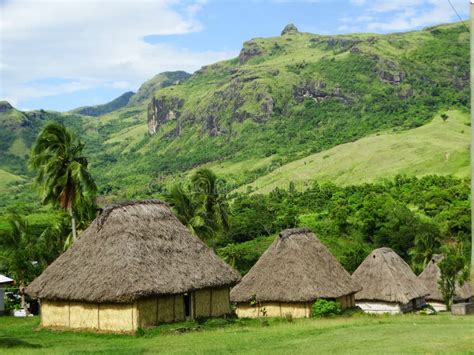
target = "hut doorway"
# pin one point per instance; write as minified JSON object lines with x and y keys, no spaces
{"x":187,"y":305}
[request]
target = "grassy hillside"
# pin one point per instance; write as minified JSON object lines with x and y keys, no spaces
{"x":285,"y":98}
{"x":100,"y":110}
{"x":6,"y":179}
{"x":436,"y":148}
{"x":363,"y":334}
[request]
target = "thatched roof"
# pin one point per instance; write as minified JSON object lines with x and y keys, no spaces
{"x":297,"y":267}
{"x":430,"y":276}
{"x":384,"y":276}
{"x":132,"y":250}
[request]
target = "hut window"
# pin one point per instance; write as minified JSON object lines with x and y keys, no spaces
{"x":187,"y":305}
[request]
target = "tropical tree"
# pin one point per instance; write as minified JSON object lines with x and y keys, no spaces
{"x":454,"y":271}
{"x":188,"y":210}
{"x":19,"y":253}
{"x":201,"y":206}
{"x":62,"y":171}
{"x":427,"y":243}
{"x":206,"y":187}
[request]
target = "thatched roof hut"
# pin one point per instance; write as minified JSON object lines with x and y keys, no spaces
{"x":296,"y":269}
{"x":133,"y":251}
{"x":430,"y":277}
{"x":385,"y":277}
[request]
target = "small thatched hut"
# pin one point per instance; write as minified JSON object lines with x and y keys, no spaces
{"x":135,"y":266}
{"x":388,"y":284}
{"x":430,"y":277}
{"x":294,"y":271}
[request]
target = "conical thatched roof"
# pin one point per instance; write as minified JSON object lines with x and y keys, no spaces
{"x":297,"y":267}
{"x":132,"y":250}
{"x":430,"y":276}
{"x":384,"y":276}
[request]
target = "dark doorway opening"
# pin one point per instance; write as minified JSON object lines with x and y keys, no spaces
{"x":187,"y":305}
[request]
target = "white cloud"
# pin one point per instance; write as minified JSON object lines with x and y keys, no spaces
{"x":95,"y":43}
{"x":402,"y":15}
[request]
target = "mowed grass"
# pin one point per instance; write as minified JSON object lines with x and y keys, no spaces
{"x":358,"y":334}
{"x":436,"y":148}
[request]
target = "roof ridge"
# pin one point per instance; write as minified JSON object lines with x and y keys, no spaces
{"x":109,"y":208}
{"x":291,"y":231}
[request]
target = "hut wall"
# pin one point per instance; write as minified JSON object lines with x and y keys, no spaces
{"x":245,"y":310}
{"x":202,"y":303}
{"x":274,"y":309}
{"x":379,"y":307}
{"x":54,"y":314}
{"x":346,"y":301}
{"x":163,"y":309}
{"x":83,"y":315}
{"x":118,"y":317}
{"x":179,"y":308}
{"x":166,"y":309}
{"x":2,"y":297}
{"x":438,"y":306}
{"x":128,"y":317}
{"x":148,"y":312}
{"x":297,"y":310}
{"x":220,"y":302}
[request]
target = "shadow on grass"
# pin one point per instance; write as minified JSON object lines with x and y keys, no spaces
{"x":6,"y":343}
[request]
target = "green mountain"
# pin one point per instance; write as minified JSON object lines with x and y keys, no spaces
{"x":99,"y":110}
{"x":162,"y":80}
{"x":284,"y":99}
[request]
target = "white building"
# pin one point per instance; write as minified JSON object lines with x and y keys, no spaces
{"x":4,"y":281}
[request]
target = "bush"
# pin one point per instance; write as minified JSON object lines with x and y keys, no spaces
{"x":324,"y":308}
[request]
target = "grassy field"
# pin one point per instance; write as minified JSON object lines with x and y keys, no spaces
{"x":357,"y":334}
{"x":6,"y":178}
{"x":435,"y":148}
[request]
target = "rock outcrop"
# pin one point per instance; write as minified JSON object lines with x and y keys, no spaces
{"x":250,"y":50}
{"x":316,"y":89}
{"x":162,"y":110}
{"x":5,"y":106}
{"x":289,"y":29}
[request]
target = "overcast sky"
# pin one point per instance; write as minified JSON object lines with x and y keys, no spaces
{"x":63,"y":54}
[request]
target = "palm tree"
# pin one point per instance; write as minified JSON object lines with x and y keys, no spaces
{"x":62,"y":170}
{"x":206,"y":185}
{"x":200,"y":206}
{"x":189,"y":210}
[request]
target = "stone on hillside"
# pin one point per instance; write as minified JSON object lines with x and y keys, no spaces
{"x":289,"y":29}
{"x":5,"y":106}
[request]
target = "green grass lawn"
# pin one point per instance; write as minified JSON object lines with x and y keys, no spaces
{"x":357,"y":334}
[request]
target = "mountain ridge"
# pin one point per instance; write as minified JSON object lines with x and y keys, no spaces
{"x":282,"y":99}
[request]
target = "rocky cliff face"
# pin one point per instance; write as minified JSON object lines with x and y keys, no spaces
{"x":161,"y":110}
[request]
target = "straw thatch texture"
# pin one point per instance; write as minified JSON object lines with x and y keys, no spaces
{"x":297,"y":267}
{"x":430,"y":276}
{"x":384,"y":276}
{"x":132,"y":250}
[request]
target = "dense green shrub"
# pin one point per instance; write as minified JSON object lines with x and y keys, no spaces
{"x":324,"y":308}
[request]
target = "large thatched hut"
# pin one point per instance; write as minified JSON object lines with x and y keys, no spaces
{"x":388,"y":284}
{"x":135,"y":266}
{"x":430,"y":277}
{"x":294,"y":271}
